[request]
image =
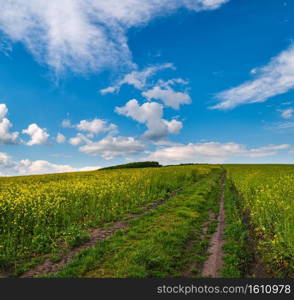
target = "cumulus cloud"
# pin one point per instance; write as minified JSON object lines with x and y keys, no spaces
{"x":96,"y":126}
{"x":164,"y":92}
{"x":60,"y":138}
{"x":150,"y":114}
{"x":173,"y":126}
{"x":39,"y":136}
{"x":3,"y":111}
{"x":84,"y":35}
{"x":6,"y":164}
{"x":6,"y":137}
{"x":79,"y":139}
{"x":212,"y":152}
{"x":111,"y":147}
{"x":273,"y":79}
{"x":91,"y":128}
{"x":137,"y":79}
{"x":27,"y":167}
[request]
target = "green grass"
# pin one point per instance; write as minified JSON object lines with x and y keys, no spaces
{"x":196,"y":252}
{"x":154,"y":245}
{"x":237,"y":255}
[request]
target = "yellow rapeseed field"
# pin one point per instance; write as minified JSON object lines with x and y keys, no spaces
{"x":41,"y":213}
{"x":268,"y":196}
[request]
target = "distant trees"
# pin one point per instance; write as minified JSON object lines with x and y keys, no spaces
{"x":141,"y":164}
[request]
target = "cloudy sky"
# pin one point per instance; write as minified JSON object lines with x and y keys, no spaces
{"x":86,"y":84}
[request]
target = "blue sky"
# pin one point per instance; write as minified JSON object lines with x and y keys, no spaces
{"x":173,"y":81}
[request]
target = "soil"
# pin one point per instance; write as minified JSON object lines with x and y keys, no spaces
{"x":196,"y":265}
{"x":214,"y":262}
{"x":48,"y":266}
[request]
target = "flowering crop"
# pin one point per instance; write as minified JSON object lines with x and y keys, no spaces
{"x":268,"y":195}
{"x":41,"y":213}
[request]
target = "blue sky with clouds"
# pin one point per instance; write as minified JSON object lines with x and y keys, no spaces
{"x":85,"y":84}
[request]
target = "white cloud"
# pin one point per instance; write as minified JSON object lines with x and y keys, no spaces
{"x":287,"y":113}
{"x":5,"y":136}
{"x":39,"y":136}
{"x":285,"y":125}
{"x":164,"y":92}
{"x":150,"y":114}
{"x":7,"y":165}
{"x":273,"y":79}
{"x":84,"y":35}
{"x":271,"y":148}
{"x":79,"y":139}
{"x":173,"y":126}
{"x":60,"y":138}
{"x":91,"y":128}
{"x":111,"y":147}
{"x":286,"y":103}
{"x":137,"y":79}
{"x":90,"y":168}
{"x":143,"y":113}
{"x":211,"y":152}
{"x":66,"y":124}
{"x":3,"y":111}
{"x":27,"y":167}
{"x":96,"y":126}
{"x":199,"y":5}
{"x":109,"y":90}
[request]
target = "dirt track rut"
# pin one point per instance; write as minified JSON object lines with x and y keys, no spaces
{"x":213,"y":264}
